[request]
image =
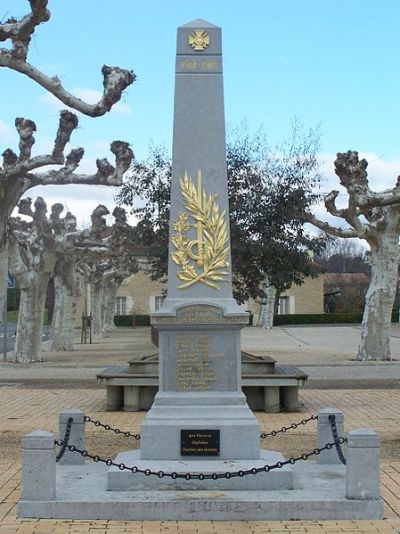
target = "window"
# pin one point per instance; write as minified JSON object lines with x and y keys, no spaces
{"x":283,"y":307}
{"x":158,"y":302}
{"x":120,"y":306}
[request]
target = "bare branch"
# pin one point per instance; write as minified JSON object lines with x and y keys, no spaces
{"x":25,"y":129}
{"x":20,"y":32}
{"x":9,"y":158}
{"x":353,"y":176}
{"x":326,"y":227}
{"x":25,"y":207}
{"x":330,"y":204}
{"x":106,"y":174}
{"x":386,"y":198}
{"x":115,"y":80}
{"x":14,"y":168}
{"x":68,"y":123}
{"x":350,"y":215}
{"x":352,"y":172}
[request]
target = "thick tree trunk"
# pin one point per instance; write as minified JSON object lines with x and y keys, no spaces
{"x":266,"y":319}
{"x":97,"y":312}
{"x":63,"y":323}
{"x":30,"y":319}
{"x":375,"y":333}
{"x":109,"y":296}
{"x":3,"y":278}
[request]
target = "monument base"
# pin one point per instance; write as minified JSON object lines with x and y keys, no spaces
{"x":319,"y":493}
{"x":225,"y":412}
{"x":276,"y":479}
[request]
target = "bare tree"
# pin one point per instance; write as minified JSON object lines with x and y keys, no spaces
{"x":375,"y":217}
{"x":19,"y":172}
{"x":106,"y":272}
{"x":33,"y":257}
{"x":19,"y":33}
{"x":68,"y":284}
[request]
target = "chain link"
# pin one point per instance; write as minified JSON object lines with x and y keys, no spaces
{"x":202,"y":476}
{"x":125,"y":433}
{"x":335,"y":435}
{"x":264,"y":435}
{"x":65,"y":440}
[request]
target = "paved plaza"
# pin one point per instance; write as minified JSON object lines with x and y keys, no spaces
{"x":67,"y":381}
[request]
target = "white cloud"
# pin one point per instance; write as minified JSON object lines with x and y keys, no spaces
{"x":382,"y":174}
{"x":91,"y":96}
{"x":80,"y":200}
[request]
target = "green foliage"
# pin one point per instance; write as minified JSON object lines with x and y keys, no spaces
{"x":325,"y":318}
{"x":132,"y":320}
{"x":270,"y":188}
{"x":13,"y":297}
{"x":269,"y":191}
{"x":149,"y":182}
{"x":12,"y":316}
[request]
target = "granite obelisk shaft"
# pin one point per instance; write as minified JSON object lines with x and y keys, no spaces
{"x":199,"y":323}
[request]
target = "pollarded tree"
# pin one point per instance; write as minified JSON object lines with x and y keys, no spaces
{"x":68,"y":285}
{"x":105,"y":272}
{"x":32,"y":259}
{"x":18,"y":172}
{"x":375,"y":217}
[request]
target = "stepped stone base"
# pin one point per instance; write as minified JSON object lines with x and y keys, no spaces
{"x":273,"y":480}
{"x":319,"y":494}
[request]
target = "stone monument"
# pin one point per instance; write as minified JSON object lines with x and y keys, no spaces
{"x":200,"y":413}
{"x":200,"y":455}
{"x":200,"y":323}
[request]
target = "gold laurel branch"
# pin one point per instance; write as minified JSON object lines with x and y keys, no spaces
{"x":203,"y":209}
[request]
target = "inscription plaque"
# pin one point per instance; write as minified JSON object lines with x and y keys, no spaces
{"x":195,"y":363}
{"x":200,"y":442}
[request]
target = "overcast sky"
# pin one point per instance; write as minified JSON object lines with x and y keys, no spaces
{"x":333,"y":62}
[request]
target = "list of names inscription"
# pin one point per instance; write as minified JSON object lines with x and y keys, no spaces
{"x":195,"y":370}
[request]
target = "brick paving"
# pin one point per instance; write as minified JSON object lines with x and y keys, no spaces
{"x":24,"y":409}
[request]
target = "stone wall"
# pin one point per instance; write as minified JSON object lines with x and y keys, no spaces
{"x":307,"y":298}
{"x":140,"y":288}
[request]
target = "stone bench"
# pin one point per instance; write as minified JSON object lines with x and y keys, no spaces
{"x":268,"y":387}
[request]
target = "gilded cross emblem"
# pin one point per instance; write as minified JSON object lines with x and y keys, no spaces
{"x":199,"y":40}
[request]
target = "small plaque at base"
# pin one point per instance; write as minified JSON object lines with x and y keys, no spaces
{"x":200,"y":442}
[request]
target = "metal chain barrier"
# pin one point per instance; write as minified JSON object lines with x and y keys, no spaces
{"x":332,"y":421}
{"x":201,"y":476}
{"x":64,"y":442}
{"x":264,"y":435}
{"x":125,"y":433}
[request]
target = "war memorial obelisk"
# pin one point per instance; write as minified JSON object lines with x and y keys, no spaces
{"x":199,"y":324}
{"x":200,"y":456}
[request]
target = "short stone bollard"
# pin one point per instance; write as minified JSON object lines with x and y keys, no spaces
{"x":325,"y":434}
{"x":362,"y":473}
{"x":76,"y":437}
{"x":38,"y":466}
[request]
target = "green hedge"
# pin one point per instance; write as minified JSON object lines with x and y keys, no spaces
{"x":324,"y":318}
{"x":297,"y":318}
{"x":129,"y":320}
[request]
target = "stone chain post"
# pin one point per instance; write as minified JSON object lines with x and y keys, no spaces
{"x":38,"y":466}
{"x":362,"y":473}
{"x":325,"y":434}
{"x":76,"y":437}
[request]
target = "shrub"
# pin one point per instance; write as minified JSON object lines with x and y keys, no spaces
{"x":324,"y":318}
{"x":132,"y":320}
